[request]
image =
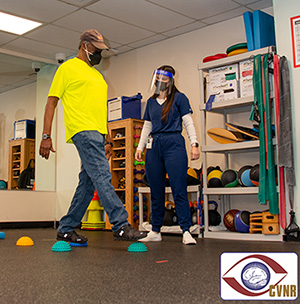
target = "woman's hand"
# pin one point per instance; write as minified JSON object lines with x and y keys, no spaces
{"x":138,"y":155}
{"x":195,"y":153}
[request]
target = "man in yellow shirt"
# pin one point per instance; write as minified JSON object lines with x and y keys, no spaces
{"x":83,"y":93}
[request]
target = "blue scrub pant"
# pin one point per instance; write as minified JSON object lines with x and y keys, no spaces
{"x":168,"y":155}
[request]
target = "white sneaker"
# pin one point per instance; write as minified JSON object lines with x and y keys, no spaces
{"x":188,"y":239}
{"x":151,"y":237}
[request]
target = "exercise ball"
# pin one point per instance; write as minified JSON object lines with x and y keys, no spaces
{"x":170,"y":218}
{"x":246,"y":181}
{"x":241,"y":171}
{"x":254,"y":175}
{"x":241,"y":221}
{"x":229,"y":178}
{"x":228,"y":219}
{"x":214,"y":179}
{"x":192,"y":177}
{"x":199,"y":175}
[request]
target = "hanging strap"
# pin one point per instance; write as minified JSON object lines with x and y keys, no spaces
{"x":258,"y":100}
{"x":273,"y":199}
{"x":282,"y":203}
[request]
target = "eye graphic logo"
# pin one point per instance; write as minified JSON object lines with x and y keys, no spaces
{"x":238,"y":287}
{"x":259,"y":276}
{"x":255,"y":276}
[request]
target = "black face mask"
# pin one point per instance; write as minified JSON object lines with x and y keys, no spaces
{"x":95,"y":57}
{"x":161,"y":85}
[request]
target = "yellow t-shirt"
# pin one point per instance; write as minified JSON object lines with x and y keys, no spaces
{"x":83,"y":93}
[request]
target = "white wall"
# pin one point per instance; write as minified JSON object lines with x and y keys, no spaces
{"x":45,"y":170}
{"x":27,"y":206}
{"x":283,"y":11}
{"x":67,"y":168}
{"x":15,"y":105}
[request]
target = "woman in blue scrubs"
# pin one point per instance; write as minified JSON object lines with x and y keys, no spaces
{"x":165,"y":112}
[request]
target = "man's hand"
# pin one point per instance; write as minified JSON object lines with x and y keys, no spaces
{"x":46,"y":144}
{"x":108,"y":151}
{"x":46,"y":147}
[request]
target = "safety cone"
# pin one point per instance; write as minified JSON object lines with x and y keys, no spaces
{"x":94,"y":215}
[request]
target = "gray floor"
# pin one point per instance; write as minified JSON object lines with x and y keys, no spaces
{"x":105,"y":272}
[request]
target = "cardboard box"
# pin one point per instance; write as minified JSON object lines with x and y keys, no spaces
{"x":225,"y":90}
{"x":246,"y":76}
{"x":224,"y":73}
{"x":124,"y":107}
{"x":24,"y":129}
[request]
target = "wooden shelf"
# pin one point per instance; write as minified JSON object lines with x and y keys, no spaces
{"x":125,"y":127}
{"x":119,"y":169}
{"x":26,"y":148}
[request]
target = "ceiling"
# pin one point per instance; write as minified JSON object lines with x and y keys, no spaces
{"x":125,"y":25}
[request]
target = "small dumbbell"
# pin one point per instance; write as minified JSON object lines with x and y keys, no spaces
{"x":145,"y":208}
{"x":138,"y":127}
{"x":136,"y":217}
{"x":136,"y":199}
{"x":136,"y":180}
{"x":135,"y":207}
{"x":135,"y":144}
{"x":135,"y":171}
{"x":135,"y":189}
{"x":136,"y":136}
{"x":142,"y":163}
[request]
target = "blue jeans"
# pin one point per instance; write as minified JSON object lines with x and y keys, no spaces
{"x":95,"y":174}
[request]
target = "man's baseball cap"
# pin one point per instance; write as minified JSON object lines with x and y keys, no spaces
{"x":95,"y":38}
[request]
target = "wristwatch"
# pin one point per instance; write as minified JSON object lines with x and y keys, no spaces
{"x":109,"y":143}
{"x":195,"y":145}
{"x":46,"y":136}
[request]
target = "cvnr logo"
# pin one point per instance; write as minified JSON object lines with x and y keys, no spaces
{"x":259,"y":276}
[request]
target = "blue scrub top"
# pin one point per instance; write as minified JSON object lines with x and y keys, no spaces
{"x":181,"y":106}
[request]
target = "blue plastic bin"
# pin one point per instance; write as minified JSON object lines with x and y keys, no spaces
{"x":24,"y":129}
{"x":124,"y":107}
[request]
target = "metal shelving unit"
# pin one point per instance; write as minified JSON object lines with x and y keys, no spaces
{"x":173,"y":229}
{"x":224,"y":108}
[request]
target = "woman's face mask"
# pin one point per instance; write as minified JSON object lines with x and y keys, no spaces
{"x":161,"y":85}
{"x":95,"y":57}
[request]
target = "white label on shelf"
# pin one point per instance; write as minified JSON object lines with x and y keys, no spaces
{"x":114,"y":109}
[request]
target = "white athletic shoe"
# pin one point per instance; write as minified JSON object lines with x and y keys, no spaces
{"x":188,"y":239}
{"x":151,"y":237}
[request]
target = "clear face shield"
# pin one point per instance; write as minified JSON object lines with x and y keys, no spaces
{"x":161,"y":81}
